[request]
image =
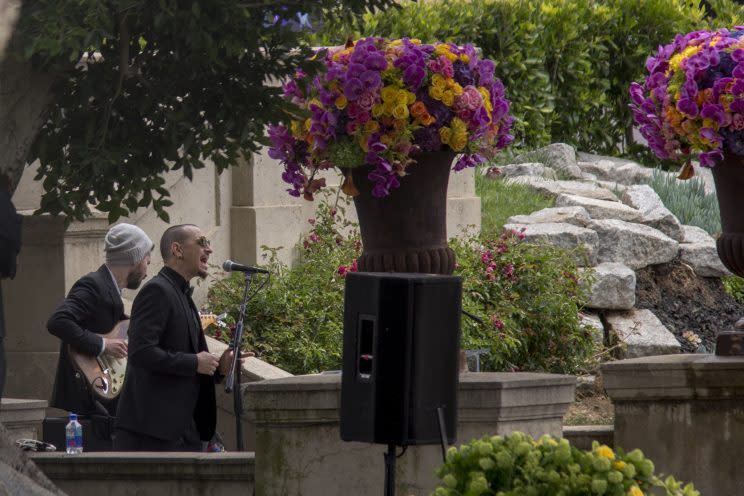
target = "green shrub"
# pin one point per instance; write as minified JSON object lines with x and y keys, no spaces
{"x":517,"y":465}
{"x":296,"y":321}
{"x":734,"y":285}
{"x":526,"y":298}
{"x":688,"y":200}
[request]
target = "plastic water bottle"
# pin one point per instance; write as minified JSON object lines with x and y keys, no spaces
{"x":74,"y":436}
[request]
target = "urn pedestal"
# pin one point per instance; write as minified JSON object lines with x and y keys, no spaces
{"x":729,"y":178}
{"x":406,"y":231}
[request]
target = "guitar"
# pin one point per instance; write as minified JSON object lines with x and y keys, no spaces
{"x":104,"y":374}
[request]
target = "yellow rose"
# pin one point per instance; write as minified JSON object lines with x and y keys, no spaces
{"x":400,"y":112}
{"x":371,"y":127}
{"x":458,"y":142}
{"x":619,"y":465}
{"x":464,"y":58}
{"x":411,"y":98}
{"x":389,"y":93}
{"x":448,"y":98}
{"x":436,"y":92}
{"x":437,"y":80}
{"x":341,"y":102}
{"x":378,"y":110}
{"x":402,"y":97}
{"x":444,"y":134}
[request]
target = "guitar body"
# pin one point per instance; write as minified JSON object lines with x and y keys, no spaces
{"x":104,"y":374}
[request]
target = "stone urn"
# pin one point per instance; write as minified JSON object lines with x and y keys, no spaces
{"x":729,"y":178}
{"x":406,"y":231}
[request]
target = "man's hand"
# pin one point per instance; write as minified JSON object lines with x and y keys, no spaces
{"x":206,"y":363}
{"x":227,"y":358}
{"x":116,"y":348}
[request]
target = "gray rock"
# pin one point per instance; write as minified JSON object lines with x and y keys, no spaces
{"x":555,"y":188}
{"x":527,"y":169}
{"x":577,"y":216}
{"x":635,"y":245}
{"x":558,"y":156}
{"x":566,"y":236}
{"x":641,"y":334}
{"x":592,"y":321}
{"x":695,"y":234}
{"x":654,"y":213}
{"x":613,"y":288}
{"x":703,"y":258}
{"x":599,"y":209}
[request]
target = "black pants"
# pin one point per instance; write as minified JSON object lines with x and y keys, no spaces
{"x":125,"y":440}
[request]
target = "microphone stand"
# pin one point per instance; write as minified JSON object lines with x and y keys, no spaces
{"x":232,"y":383}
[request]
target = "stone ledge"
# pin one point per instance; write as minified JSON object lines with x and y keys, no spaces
{"x":147,"y":465}
{"x":581,"y":436}
{"x":675,"y":377}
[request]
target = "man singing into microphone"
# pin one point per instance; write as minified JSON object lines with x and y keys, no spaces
{"x":168,"y":399}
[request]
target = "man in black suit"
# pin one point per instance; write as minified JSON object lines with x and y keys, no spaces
{"x":93,"y":307}
{"x":168,"y":400}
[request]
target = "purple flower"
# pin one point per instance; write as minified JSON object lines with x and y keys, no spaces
{"x":353,"y":88}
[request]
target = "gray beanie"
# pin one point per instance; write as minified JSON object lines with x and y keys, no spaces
{"x":126,"y":244}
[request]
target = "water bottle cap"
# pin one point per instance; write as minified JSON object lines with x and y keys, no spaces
{"x":73,"y":416}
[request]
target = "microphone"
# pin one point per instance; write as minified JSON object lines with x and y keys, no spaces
{"x":230,"y":266}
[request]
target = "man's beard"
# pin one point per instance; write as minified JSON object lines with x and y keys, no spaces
{"x":134,"y":280}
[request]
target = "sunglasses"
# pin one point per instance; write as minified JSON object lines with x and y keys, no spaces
{"x":203,"y":242}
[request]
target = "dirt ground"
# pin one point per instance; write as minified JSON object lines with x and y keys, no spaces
{"x":685,"y":303}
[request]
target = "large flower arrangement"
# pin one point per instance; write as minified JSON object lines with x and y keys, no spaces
{"x":692,"y":101}
{"x":381,"y":102}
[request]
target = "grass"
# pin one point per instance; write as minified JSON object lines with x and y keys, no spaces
{"x":499,"y":201}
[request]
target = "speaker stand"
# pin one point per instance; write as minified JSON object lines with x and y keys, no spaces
{"x":390,"y":470}
{"x":442,"y":433}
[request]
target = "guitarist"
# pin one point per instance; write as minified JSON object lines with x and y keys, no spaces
{"x":93,"y":307}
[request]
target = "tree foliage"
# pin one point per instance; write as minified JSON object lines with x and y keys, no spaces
{"x":148,"y":86}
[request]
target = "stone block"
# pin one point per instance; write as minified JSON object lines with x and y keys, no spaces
{"x":613,"y":288}
{"x":576,"y":215}
{"x":298,"y":449}
{"x":635,"y":245}
{"x":566,"y":236}
{"x":684,"y":412}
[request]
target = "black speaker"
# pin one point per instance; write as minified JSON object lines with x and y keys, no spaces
{"x":400,"y":359}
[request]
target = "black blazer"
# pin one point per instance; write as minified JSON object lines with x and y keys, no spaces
{"x":162,"y":391}
{"x":92,"y":307}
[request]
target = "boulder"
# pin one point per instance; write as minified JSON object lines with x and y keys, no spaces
{"x":654,"y":213}
{"x":640,"y":334}
{"x":613,"y":288}
{"x":635,"y":245}
{"x":566,"y":236}
{"x":599,"y":209}
{"x":555,"y":188}
{"x":558,"y":156}
{"x":527,"y":169}
{"x":577,"y":216}
{"x":594,"y":323}
{"x":703,"y":258}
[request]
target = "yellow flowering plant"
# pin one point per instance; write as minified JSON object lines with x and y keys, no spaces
{"x":382,"y":102}
{"x":517,"y":464}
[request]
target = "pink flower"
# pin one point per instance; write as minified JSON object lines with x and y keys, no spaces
{"x":471,"y":99}
{"x":311,"y":222}
{"x":486,"y":256}
{"x":497,"y":323}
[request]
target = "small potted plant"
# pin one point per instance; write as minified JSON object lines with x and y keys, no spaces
{"x":378,"y":107}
